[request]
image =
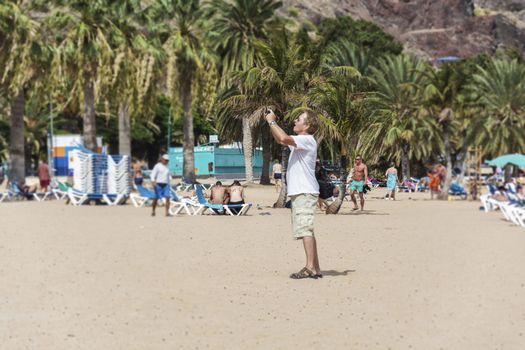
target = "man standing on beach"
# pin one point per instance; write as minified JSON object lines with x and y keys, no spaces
{"x":277,"y":170}
{"x":160,"y":179}
{"x":303,"y":188}
{"x":137,"y":173}
{"x":358,"y":177}
{"x":43,"y":176}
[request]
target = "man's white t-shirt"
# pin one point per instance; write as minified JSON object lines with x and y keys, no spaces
{"x":300,"y":175}
{"x":160,"y":174}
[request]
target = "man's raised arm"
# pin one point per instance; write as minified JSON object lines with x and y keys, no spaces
{"x":278,"y":134}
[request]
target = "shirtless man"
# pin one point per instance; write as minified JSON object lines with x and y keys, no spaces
{"x":137,"y":173}
{"x":236,"y":195}
{"x":358,"y":178}
{"x":218,"y":195}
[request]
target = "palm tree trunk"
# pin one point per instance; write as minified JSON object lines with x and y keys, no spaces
{"x":462,"y":164}
{"x":405,"y":164}
{"x":17,"y":142}
{"x":90,"y":123}
{"x":247,"y":145}
{"x":29,"y":157}
{"x":448,"y":177}
{"x":187,"y":128}
{"x":267,"y":155}
{"x":124,"y":130}
{"x":281,"y":200}
{"x":507,"y":174}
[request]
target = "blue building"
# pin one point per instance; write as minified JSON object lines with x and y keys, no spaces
{"x":216,"y":161}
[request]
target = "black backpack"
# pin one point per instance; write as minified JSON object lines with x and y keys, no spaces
{"x":326,"y":186}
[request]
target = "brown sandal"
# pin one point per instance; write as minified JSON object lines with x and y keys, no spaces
{"x":304,"y":273}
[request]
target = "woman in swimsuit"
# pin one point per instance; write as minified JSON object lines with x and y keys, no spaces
{"x":391,"y":182}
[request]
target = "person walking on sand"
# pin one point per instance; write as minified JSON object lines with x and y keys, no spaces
{"x":160,"y":179}
{"x":358,"y":178}
{"x":43,"y":176}
{"x":391,"y":182}
{"x":303,"y":188}
{"x":277,"y":173}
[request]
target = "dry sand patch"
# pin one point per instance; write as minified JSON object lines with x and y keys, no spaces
{"x":406,"y":274}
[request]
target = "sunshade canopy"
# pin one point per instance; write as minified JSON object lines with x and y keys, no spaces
{"x":514,"y":159}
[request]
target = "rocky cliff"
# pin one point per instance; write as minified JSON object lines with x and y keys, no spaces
{"x":431,"y":27}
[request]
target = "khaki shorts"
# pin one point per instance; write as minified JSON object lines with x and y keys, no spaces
{"x":303,"y":210}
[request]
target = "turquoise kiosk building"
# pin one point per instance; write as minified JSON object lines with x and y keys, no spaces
{"x":221,"y":162}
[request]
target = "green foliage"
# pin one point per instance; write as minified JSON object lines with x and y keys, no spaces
{"x":216,"y":62}
{"x":499,"y":90}
{"x":398,"y":124}
{"x":361,"y":33}
{"x":235,"y":26}
{"x":293,"y":11}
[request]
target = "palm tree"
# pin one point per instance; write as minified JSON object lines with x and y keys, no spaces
{"x":445,"y":103}
{"x":340,"y":95}
{"x":277,"y":80}
{"x":188,"y":61}
{"x":499,"y":91}
{"x":283,"y":73}
{"x":18,"y":39}
{"x":236,"y":25}
{"x":84,"y":54}
{"x":135,"y":66}
{"x":398,"y":123}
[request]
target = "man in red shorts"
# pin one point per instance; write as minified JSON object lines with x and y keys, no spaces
{"x":43,"y":175}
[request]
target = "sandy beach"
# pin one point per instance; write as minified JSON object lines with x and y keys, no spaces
{"x":410,"y":274}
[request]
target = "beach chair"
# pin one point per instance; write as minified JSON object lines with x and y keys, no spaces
{"x":185,"y":185}
{"x":513,"y":212}
{"x":19,"y":192}
{"x":487,"y":206}
{"x":178,"y":204}
{"x":60,"y":189}
{"x":407,"y":186}
{"x":203,"y":205}
{"x":205,"y":187}
{"x":7,"y":194}
{"x":458,"y":190}
{"x":78,"y":198}
{"x":143,"y":196}
{"x":519,"y":213}
{"x":114,"y":198}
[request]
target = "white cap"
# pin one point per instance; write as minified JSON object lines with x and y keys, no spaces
{"x":165,"y":157}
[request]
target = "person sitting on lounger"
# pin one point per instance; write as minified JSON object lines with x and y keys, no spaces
{"x":27,"y":191}
{"x":501,"y":194}
{"x":218,"y":195}
{"x":519,"y":192}
{"x":236,"y":193}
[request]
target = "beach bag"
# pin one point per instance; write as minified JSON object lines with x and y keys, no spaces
{"x":326,"y":187}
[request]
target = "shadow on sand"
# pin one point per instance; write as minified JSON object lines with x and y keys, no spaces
{"x":364,"y":212}
{"x":337,"y":273}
